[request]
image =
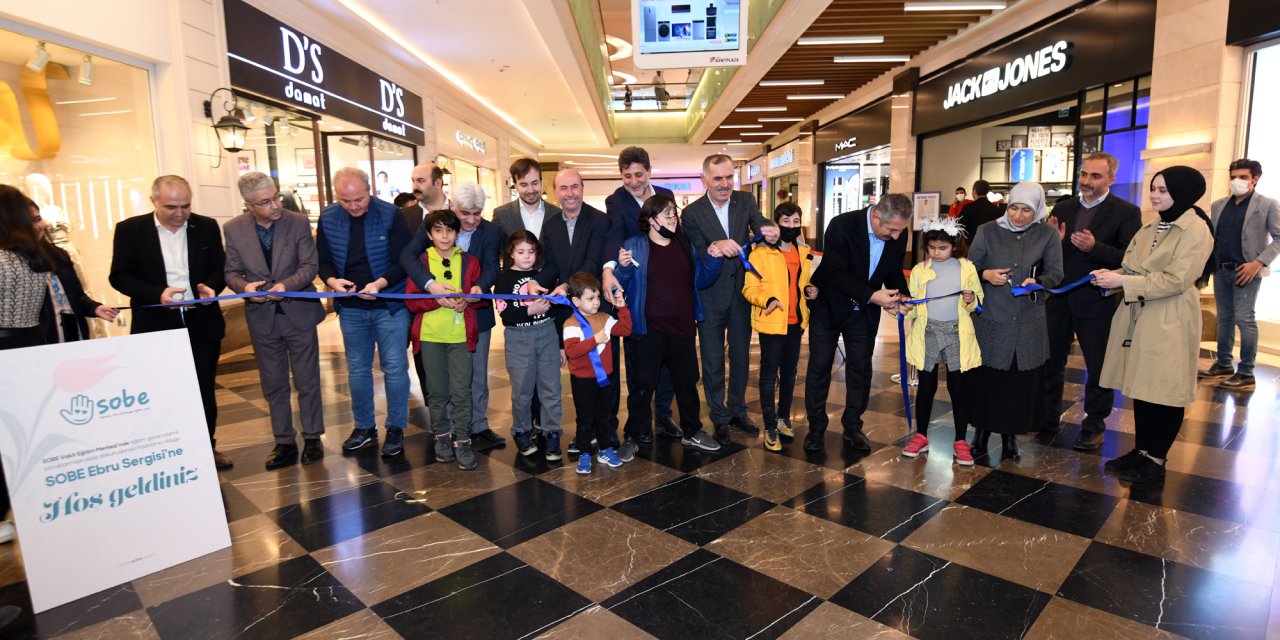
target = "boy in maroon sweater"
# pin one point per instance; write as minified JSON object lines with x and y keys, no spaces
{"x":592,"y":402}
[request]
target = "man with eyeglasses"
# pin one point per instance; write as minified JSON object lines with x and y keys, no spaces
{"x":269,"y":248}
{"x":359,"y":241}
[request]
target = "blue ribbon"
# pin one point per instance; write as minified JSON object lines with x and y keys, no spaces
{"x":742,"y":255}
{"x":1022,"y":291}
{"x":902,"y":365}
{"x":597,"y":365}
{"x":942,"y":297}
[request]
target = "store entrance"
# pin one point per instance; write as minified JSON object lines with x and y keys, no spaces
{"x":388,"y":163}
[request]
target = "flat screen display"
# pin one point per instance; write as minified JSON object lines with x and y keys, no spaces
{"x":684,"y":33}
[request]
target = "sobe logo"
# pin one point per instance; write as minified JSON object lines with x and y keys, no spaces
{"x":82,"y":409}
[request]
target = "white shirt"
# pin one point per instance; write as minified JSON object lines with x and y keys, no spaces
{"x":177,"y":267}
{"x":533,"y":218}
{"x":1095,"y":202}
{"x":648,"y":193}
{"x":722,"y":213}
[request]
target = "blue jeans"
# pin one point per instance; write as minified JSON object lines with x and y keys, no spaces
{"x":1235,"y":309}
{"x":362,"y":330}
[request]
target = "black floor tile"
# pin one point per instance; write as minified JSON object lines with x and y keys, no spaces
{"x":836,"y":455}
{"x":1114,"y":443}
{"x":694,"y":509}
{"x":1213,"y":498}
{"x":536,"y":464}
{"x":418,"y":450}
{"x":289,"y":599}
{"x":236,"y":505}
{"x":1041,"y":502}
{"x":1173,"y":597}
{"x":670,"y":453}
{"x":248,"y":461}
{"x":519,"y":512}
{"x":927,"y":597}
{"x":703,"y":595}
{"x":498,"y":597}
{"x":878,"y":509}
{"x":328,"y":520}
{"x":78,"y":614}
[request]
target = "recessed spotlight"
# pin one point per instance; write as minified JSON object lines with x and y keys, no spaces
{"x":850,"y":59}
{"x":812,"y":40}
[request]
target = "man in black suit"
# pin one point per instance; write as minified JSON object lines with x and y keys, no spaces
{"x":727,"y":219}
{"x":1095,"y":229}
{"x":168,"y":255}
{"x":480,"y":238}
{"x":860,"y":274}
{"x":428,"y":194}
{"x":572,"y":240}
{"x":980,"y":211}
{"x":623,"y":208}
{"x":529,"y":211}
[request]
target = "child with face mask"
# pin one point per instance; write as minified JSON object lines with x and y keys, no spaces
{"x":780,"y":313}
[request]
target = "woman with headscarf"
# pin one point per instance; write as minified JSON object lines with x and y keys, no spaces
{"x":1012,"y":332}
{"x":1155,"y":335}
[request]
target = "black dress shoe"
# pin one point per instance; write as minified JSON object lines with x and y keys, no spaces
{"x":645,"y":437}
{"x":669,"y":428}
{"x":1088,"y":441}
{"x":980,"y":438}
{"x":857,"y":441}
{"x":1009,"y":447}
{"x":487,"y":439}
{"x":813,"y":441}
{"x":312,"y":451}
{"x":282,"y":456}
{"x":746,"y":425}
{"x":393,"y":445}
{"x":722,"y":433}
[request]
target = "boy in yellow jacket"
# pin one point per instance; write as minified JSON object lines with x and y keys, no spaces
{"x":780,"y":314}
{"x":942,"y":331}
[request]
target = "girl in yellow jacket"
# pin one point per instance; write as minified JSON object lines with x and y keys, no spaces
{"x":942,"y":332}
{"x":780,"y":314}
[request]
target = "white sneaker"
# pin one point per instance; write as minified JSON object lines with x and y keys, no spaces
{"x":6,"y":531}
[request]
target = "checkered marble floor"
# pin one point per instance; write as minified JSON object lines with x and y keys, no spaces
{"x":739,"y":544}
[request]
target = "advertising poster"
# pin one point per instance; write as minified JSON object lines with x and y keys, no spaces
{"x":1055,"y":165}
{"x":108,"y":461}
{"x":926,"y":206}
{"x":1022,"y":165}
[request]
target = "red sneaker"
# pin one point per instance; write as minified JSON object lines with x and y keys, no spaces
{"x":918,"y":445}
{"x":964,"y":457}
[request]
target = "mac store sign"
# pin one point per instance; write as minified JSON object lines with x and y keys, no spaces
{"x":276,"y":61}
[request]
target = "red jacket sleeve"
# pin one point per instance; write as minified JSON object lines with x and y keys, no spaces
{"x":421,"y":305}
{"x":623,"y":326}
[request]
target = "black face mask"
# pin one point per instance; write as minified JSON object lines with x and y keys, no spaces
{"x":666,"y":233}
{"x":788,"y":234}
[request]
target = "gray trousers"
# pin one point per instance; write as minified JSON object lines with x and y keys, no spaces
{"x":449,"y":380}
{"x":479,"y":384}
{"x":731,"y":321}
{"x":290,"y":348}
{"x":533,"y":363}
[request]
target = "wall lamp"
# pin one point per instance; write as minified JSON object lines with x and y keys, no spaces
{"x":230,"y":127}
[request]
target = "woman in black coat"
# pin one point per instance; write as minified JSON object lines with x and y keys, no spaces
{"x":66,"y":308}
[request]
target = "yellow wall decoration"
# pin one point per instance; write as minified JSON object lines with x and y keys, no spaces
{"x":35,"y":89}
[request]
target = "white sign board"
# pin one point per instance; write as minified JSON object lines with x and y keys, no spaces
{"x":926,"y":206}
{"x":108,"y":461}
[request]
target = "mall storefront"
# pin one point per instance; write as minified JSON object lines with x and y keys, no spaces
{"x":469,"y":155}
{"x":852,"y":155}
{"x":1256,"y":26}
{"x":1030,"y":108}
{"x":311,"y":110}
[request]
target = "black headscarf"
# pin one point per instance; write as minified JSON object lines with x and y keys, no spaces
{"x":1186,"y":186}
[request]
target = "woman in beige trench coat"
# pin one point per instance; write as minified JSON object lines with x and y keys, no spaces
{"x":1155,"y":335}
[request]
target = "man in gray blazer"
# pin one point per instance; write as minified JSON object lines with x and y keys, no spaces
{"x":271,"y":249}
{"x":727,"y":219}
{"x":529,"y":211}
{"x":1246,"y":240}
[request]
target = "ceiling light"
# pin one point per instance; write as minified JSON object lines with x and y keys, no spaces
{"x":792,"y":83}
{"x":622,"y":48}
{"x":729,"y":141}
{"x":759,"y":109}
{"x":39,"y":59}
{"x":780,"y":119}
{"x":841,"y":40}
{"x":845,"y":59}
{"x":249,"y":115}
{"x":817,"y":96}
{"x":741,"y":126}
{"x":956,"y":5}
{"x":86,"y":71}
{"x":84,"y":101}
{"x":763,"y":134}
{"x":744,"y":144}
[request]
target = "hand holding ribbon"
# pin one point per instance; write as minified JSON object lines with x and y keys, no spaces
{"x":1022,"y":290}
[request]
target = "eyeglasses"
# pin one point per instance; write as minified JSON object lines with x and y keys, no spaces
{"x":278,"y":199}
{"x":448,"y":275}
{"x":669,"y":213}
